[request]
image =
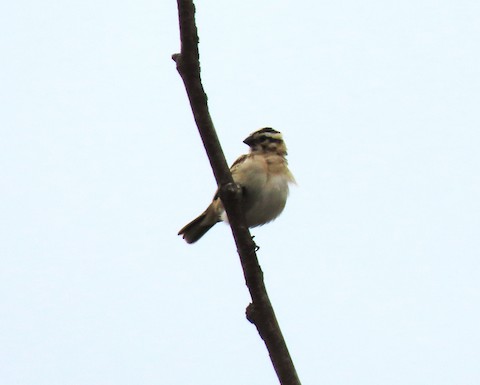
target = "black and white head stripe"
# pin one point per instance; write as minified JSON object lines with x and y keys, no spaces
{"x":266,"y":134}
{"x":266,"y":130}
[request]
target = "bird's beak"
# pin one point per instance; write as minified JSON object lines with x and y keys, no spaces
{"x":249,"y":140}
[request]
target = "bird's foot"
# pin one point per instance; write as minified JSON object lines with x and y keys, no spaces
{"x":256,"y":246}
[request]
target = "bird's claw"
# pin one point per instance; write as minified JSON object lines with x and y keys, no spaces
{"x":256,"y":246}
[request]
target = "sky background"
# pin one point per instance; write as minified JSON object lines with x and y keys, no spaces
{"x":373,"y":269}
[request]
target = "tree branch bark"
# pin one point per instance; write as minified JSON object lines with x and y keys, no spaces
{"x":260,"y":311}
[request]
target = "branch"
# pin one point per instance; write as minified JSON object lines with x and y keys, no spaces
{"x":260,"y":311}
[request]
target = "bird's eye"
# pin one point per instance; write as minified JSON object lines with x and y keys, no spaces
{"x":263,"y":137}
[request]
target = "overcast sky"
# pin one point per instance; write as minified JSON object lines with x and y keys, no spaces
{"x":373,"y":268}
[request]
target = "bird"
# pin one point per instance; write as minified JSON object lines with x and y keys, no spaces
{"x":264,"y":178}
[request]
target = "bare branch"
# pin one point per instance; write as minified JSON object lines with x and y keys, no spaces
{"x":260,"y":311}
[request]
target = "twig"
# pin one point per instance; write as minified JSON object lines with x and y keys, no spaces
{"x":260,"y":311}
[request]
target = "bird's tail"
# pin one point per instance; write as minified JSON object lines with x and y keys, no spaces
{"x":197,"y":228}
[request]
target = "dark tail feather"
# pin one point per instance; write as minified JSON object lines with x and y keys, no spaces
{"x":196,"y":229}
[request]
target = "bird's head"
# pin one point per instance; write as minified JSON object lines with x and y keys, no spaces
{"x":266,"y":140}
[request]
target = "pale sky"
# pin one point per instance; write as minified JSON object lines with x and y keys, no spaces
{"x":373,"y":269}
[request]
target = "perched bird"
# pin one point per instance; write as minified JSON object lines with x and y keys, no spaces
{"x":264,"y":177}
